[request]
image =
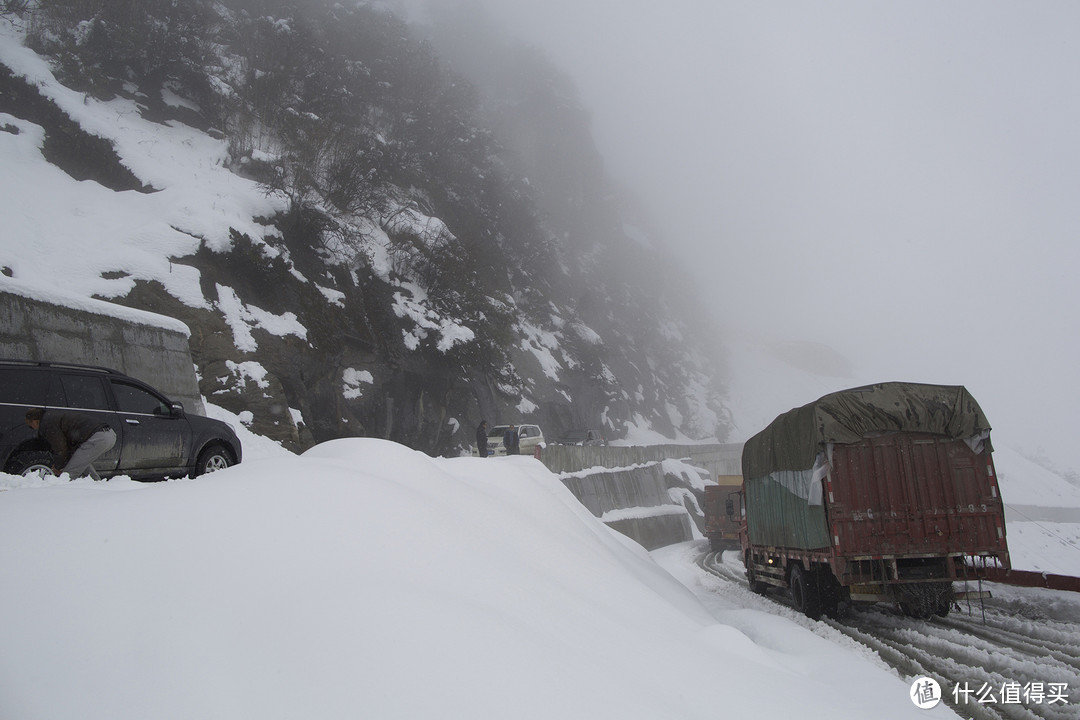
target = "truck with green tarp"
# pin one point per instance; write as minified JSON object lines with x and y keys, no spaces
{"x":885,"y":492}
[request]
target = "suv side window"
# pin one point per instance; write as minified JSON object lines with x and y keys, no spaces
{"x":20,"y":386}
{"x":84,"y":391}
{"x":134,"y":399}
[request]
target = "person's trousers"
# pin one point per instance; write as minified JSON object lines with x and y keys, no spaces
{"x":94,"y":447}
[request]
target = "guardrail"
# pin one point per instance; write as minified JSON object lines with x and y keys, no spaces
{"x":1028,"y":578}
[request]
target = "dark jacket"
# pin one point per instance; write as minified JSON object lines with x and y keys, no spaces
{"x":512,"y":441}
{"x":65,"y":431}
{"x":481,"y":440}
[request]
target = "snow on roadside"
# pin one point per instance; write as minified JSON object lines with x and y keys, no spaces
{"x":1048,"y":547}
{"x":363,"y":579}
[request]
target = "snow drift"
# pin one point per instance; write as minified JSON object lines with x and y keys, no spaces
{"x":363,"y":579}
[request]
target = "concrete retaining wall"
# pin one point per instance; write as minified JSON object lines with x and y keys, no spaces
{"x":635,"y":501}
{"x":627,"y":488}
{"x":604,"y":491}
{"x":716,"y":459}
{"x":656,"y":531}
{"x":150,"y":347}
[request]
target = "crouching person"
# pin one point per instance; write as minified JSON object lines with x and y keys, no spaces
{"x":76,"y":440}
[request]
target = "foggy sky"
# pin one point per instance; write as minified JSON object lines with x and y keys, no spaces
{"x":900,"y":181}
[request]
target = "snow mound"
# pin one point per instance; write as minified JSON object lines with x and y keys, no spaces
{"x":364,"y":579}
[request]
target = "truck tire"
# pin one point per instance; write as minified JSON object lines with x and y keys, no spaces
{"x":829,"y":592}
{"x":945,"y":600}
{"x":924,"y":600}
{"x":804,"y":592}
{"x":915,"y":609}
{"x":751,"y":577}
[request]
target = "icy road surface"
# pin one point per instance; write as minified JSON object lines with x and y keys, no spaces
{"x":1021,"y":663}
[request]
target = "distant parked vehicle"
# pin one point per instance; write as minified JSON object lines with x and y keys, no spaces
{"x":530,"y":436}
{"x":155,"y":437}
{"x":580,"y":436}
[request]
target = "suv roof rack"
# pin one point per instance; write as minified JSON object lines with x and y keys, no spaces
{"x":68,"y":366}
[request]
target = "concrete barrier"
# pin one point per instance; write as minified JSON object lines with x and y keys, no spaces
{"x":634,"y":501}
{"x":603,"y":491}
{"x":716,"y":458}
{"x":628,"y":488}
{"x":655,"y":531}
{"x":57,"y":328}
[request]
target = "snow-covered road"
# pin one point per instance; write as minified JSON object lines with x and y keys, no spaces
{"x":1015,"y":657}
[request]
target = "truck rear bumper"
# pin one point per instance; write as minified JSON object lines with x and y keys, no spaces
{"x":911,"y":568}
{"x":878,"y":593}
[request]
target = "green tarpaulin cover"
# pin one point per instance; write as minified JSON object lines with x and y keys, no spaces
{"x":793,"y":440}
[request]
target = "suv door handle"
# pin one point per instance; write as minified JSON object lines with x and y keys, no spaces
{"x":131,"y":421}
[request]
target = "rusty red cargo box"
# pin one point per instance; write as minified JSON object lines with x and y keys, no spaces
{"x":912,"y":496}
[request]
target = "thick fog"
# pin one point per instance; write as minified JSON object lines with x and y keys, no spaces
{"x":897,"y":181}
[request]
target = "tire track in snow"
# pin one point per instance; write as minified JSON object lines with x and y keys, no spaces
{"x":1009,"y":648}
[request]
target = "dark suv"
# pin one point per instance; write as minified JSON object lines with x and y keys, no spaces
{"x":155,"y":438}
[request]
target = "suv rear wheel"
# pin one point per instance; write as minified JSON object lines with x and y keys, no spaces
{"x":29,"y":462}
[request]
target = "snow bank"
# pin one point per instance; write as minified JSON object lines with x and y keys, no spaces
{"x":363,"y":579}
{"x":1024,"y":482}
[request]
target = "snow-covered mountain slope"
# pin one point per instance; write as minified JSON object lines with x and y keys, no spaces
{"x":444,"y":299}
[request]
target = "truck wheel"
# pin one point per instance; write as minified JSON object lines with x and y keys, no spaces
{"x":944,"y":599}
{"x":804,"y":592}
{"x":924,"y":600}
{"x":915,"y":609}
{"x":829,"y":591}
{"x":751,"y":577}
